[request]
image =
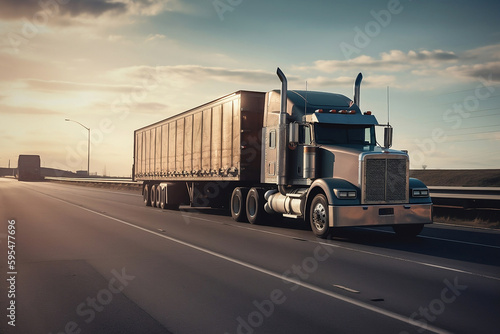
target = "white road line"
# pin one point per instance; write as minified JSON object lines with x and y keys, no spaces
{"x":311,"y":287}
{"x":459,"y":242}
{"x":345,"y":288}
{"x":414,"y":262}
{"x":442,"y":239}
{"x":361,"y":251}
{"x":183,"y":213}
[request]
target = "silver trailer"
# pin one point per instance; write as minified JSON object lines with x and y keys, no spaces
{"x":298,"y":154}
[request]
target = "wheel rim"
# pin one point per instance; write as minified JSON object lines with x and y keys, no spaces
{"x":319,"y":217}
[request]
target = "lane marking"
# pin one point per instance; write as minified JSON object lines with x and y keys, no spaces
{"x":442,"y":239}
{"x":186,"y":214}
{"x":311,"y":287}
{"x":415,"y":262}
{"x":459,"y":241}
{"x":345,"y":288}
{"x":362,"y":251}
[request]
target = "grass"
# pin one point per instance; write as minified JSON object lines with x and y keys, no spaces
{"x":458,"y":177}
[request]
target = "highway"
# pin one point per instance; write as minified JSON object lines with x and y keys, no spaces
{"x":91,"y":260}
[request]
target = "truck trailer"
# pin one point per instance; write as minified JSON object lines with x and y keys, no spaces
{"x":28,"y":168}
{"x":298,"y":154}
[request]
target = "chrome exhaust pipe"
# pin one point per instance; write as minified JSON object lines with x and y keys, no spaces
{"x":282,"y":146}
{"x":357,"y":84}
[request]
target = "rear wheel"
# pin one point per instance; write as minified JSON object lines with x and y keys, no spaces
{"x":319,"y":216}
{"x":145,"y":195}
{"x":408,"y":231}
{"x":153,"y":195}
{"x":238,"y":200}
{"x":158,"y":196}
{"x":255,"y":206}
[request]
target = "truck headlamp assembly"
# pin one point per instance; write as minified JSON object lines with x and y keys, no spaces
{"x":420,"y":192}
{"x":345,"y":193}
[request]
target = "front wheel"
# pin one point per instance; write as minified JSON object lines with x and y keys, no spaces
{"x":319,"y":216}
{"x":408,"y":231}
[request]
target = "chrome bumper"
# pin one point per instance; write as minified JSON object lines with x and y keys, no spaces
{"x":367,"y":215}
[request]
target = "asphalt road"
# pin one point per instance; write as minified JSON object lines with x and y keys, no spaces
{"x":90,"y":260}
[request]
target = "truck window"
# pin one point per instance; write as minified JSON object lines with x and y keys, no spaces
{"x":337,"y":134}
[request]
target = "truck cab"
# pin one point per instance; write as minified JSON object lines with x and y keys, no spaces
{"x":333,"y":172}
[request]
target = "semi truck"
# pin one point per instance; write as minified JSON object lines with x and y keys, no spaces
{"x":28,"y":168}
{"x":298,"y":154}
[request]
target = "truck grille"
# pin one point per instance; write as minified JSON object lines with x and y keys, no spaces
{"x":385,"y":180}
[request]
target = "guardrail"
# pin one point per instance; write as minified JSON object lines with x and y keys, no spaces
{"x":126,"y":182}
{"x":460,"y":202}
{"x":466,"y":197}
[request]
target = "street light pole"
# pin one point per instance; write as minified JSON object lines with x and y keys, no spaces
{"x":88,"y":144}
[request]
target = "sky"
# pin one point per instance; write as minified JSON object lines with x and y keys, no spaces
{"x":118,"y":65}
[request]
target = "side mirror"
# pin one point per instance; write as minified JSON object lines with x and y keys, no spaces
{"x":388,"y":136}
{"x":293,"y":133}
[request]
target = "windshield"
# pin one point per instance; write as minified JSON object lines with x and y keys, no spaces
{"x":336,"y":134}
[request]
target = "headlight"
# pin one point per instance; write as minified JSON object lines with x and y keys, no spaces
{"x":345,"y":194}
{"x":420,"y":193}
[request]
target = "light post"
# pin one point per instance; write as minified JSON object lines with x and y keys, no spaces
{"x":88,"y":144}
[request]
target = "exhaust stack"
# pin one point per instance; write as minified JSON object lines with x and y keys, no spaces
{"x":282,"y":146}
{"x":357,"y":84}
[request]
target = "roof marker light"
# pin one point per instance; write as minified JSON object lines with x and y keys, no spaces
{"x":319,"y":110}
{"x":367,"y":113}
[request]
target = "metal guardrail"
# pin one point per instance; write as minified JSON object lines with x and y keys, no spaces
{"x":438,"y":193}
{"x":114,"y":181}
{"x":468,"y":203}
{"x":484,"y":192}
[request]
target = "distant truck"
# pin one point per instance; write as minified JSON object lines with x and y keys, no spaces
{"x":300,"y":154}
{"x":28,"y":168}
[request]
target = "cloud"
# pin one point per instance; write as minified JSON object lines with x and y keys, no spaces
{"x":196,"y":73}
{"x":115,"y":38}
{"x":151,"y":38}
{"x":489,"y":71}
{"x":15,"y":9}
{"x":372,"y":80}
{"x":17,"y":110}
{"x":62,"y":86}
{"x":474,"y":64}
{"x":394,"y":60}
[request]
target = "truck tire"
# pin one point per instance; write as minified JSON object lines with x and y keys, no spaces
{"x":319,"y":216}
{"x":408,"y":231}
{"x":146,"y":195}
{"x":254,"y":206}
{"x":238,"y":200}
{"x":158,"y":196}
{"x":153,"y":195}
